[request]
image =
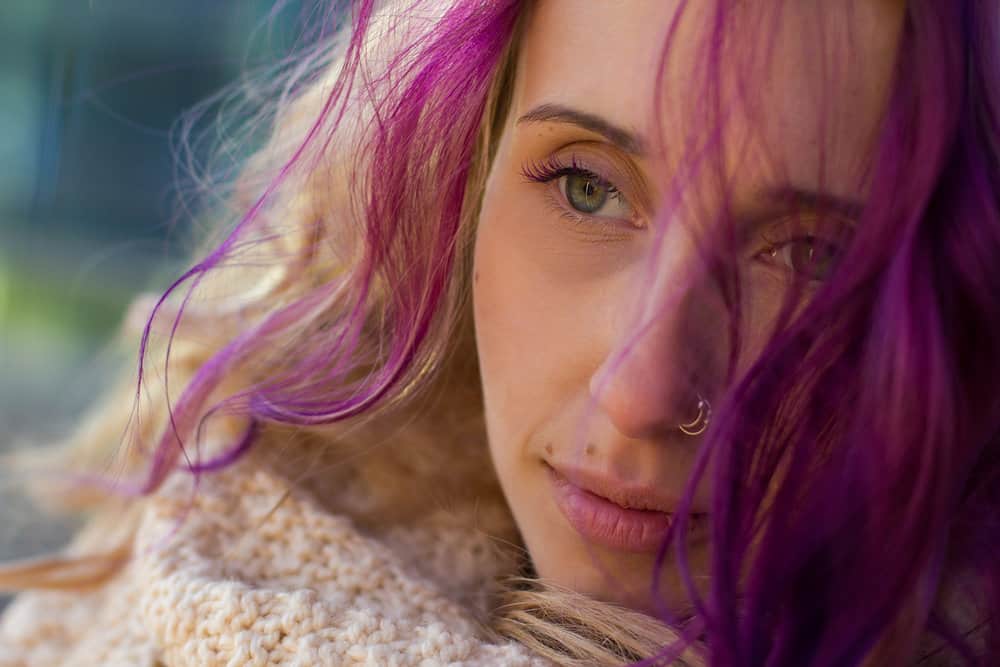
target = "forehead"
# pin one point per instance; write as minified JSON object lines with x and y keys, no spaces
{"x":800,"y":76}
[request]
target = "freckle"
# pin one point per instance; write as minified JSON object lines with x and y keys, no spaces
{"x":548,"y":448}
{"x":589,"y":450}
{"x":475,"y":277}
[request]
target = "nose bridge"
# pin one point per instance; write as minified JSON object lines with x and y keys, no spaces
{"x":657,"y":364}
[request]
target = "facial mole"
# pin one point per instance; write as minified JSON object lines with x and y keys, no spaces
{"x":548,"y":448}
{"x":475,"y":277}
{"x":589,"y":449}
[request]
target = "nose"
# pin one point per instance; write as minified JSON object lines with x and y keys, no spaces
{"x":664,"y":343}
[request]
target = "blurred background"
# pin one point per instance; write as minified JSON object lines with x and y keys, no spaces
{"x":89,"y":91}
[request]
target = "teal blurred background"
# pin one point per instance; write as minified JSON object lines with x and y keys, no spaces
{"x":89,"y":90}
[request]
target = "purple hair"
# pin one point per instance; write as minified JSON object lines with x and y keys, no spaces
{"x":897,"y":352}
{"x":897,"y":357}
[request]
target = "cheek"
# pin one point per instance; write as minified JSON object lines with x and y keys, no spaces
{"x":764,"y":299}
{"x":538,"y":321}
{"x":512,"y":327}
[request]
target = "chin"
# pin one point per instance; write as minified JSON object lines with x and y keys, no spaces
{"x":621,"y":579}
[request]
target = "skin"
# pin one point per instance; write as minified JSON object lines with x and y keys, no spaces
{"x":590,"y":354}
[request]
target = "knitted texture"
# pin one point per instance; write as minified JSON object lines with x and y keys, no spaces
{"x":249,"y":570}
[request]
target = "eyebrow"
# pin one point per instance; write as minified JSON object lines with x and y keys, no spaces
{"x":628,"y":141}
{"x":783,"y":199}
{"x":813,"y":200}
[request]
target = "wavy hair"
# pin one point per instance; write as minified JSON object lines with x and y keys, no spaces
{"x":338,"y":293}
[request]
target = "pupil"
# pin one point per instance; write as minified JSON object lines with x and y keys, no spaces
{"x":584,"y":194}
{"x":812,"y":261}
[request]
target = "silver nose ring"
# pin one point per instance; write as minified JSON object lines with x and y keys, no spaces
{"x":698,"y":425}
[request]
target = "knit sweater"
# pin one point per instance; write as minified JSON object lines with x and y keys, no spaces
{"x":250,"y":569}
{"x":389,"y":560}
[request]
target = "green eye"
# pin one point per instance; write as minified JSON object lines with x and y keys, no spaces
{"x":585,"y":193}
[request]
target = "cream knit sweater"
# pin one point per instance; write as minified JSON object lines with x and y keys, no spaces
{"x":254,"y":570}
{"x":299,"y":555}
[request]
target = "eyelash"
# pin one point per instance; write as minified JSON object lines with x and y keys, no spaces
{"x":551,"y":169}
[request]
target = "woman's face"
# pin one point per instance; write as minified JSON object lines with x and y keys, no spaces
{"x":591,"y":356}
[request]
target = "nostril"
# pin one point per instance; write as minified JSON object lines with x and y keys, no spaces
{"x":648,"y":384}
{"x":641,"y":404}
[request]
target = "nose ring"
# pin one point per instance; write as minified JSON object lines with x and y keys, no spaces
{"x":698,"y":425}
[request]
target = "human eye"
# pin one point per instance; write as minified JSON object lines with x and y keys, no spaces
{"x":583,"y":194}
{"x":808,"y":254}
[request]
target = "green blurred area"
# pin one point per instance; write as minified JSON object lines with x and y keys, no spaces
{"x":89,"y":91}
{"x":39,"y":304}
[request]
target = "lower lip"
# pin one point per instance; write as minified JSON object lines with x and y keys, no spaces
{"x":602,"y":522}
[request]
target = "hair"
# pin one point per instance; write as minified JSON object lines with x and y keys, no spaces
{"x":337,"y":295}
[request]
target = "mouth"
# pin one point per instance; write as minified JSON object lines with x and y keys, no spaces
{"x":634,"y":521}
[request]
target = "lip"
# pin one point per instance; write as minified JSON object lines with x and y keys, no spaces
{"x":634,"y":521}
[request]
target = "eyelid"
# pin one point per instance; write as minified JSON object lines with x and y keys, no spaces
{"x":546,"y":171}
{"x":608,"y":163}
{"x":825,"y":226}
{"x":595,"y":228}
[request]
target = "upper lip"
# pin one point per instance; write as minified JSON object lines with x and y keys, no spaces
{"x":629,"y":495}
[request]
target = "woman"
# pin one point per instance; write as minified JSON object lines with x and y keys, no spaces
{"x":728,"y":274}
